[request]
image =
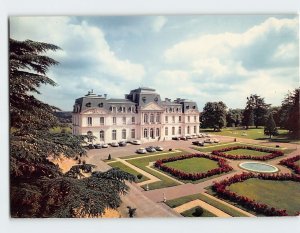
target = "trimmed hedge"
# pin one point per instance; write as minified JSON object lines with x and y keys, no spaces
{"x":221,"y":190}
{"x":290,"y":163}
{"x":272,"y":153}
{"x":223,"y":167}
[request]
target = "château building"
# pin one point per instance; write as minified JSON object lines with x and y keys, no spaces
{"x":141,"y":115}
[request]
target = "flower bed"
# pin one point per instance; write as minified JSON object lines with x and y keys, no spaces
{"x":290,"y":163}
{"x":222,"y":163}
{"x":221,"y":190}
{"x":272,"y":153}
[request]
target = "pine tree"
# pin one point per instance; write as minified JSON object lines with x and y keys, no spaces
{"x":38,"y":188}
{"x":270,"y":127}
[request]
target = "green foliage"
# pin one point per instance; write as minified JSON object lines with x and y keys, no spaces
{"x":139,"y":176}
{"x":234,"y":117}
{"x":270,"y":127}
{"x":214,"y":115}
{"x":38,"y":188}
{"x":198,"y":211}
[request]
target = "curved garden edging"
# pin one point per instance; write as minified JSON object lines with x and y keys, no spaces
{"x":290,"y":163}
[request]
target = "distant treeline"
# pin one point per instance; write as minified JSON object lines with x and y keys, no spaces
{"x":64,"y":116}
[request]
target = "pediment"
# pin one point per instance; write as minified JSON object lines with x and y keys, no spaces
{"x":152,"y":107}
{"x":94,"y":111}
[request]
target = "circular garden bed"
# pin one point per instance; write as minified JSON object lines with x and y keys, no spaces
{"x":292,"y":163}
{"x":223,"y":167}
{"x":222,"y":190}
{"x":270,"y":154}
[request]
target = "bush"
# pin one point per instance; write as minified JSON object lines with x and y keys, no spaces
{"x":139,"y":176}
{"x":109,"y":157}
{"x":198,"y":211}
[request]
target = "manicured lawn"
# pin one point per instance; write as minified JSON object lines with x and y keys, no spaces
{"x":246,"y":152}
{"x":143,"y":162}
{"x":179,"y":201}
{"x":190,"y":213}
{"x":193,"y":165}
{"x":277,"y":194}
{"x":125,"y":168}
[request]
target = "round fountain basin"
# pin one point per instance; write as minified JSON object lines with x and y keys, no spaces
{"x":258,"y":167}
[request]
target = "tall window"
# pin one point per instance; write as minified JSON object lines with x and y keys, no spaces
{"x":123,"y":133}
{"x":114,"y":120}
{"x":166,"y":119}
{"x":132,"y":133}
{"x":114,"y":134}
{"x":173,"y":119}
{"x":166,"y":131}
{"x":101,"y":135}
{"x":133,"y":120}
{"x":101,"y":120}
{"x":195,"y":129}
{"x":145,"y":133}
{"x":145,"y":118}
{"x":188,"y":129}
{"x":189,"y":118}
{"x":157,"y":118}
{"x":152,"y":118}
{"x":90,"y":134}
{"x":173,"y":130}
{"x":179,"y":118}
{"x":195,"y":118}
{"x":124,"y":109}
{"x":124,"y":120}
{"x":157,"y":132}
{"x":152,"y":133}
{"x":89,"y":121}
{"x":179,"y":130}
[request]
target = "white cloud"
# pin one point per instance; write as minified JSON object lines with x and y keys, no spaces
{"x":158,"y":23}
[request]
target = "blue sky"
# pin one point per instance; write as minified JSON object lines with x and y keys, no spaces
{"x":199,"y":57}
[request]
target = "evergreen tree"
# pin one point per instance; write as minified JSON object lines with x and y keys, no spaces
{"x":214,"y":115}
{"x":38,"y":188}
{"x":270,"y":127}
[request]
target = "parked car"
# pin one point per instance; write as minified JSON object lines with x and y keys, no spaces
{"x":97,"y":146}
{"x":136,"y":142}
{"x":141,"y":151}
{"x":122,"y":143}
{"x":208,"y":140}
{"x":201,"y":135}
{"x":189,"y":137}
{"x":158,"y":148}
{"x":194,"y":136}
{"x":195,"y":143}
{"x":104,"y":145}
{"x":150,"y":149}
{"x":183,"y":138}
{"x":198,"y":143}
{"x":175,"y":138}
{"x":114,"y":144}
{"x":91,"y":146}
{"x":215,"y":140}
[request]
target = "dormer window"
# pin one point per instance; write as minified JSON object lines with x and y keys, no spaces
{"x":187,"y":107}
{"x":144,"y":99}
{"x":88,"y":105}
{"x":156,"y":99}
{"x":194,"y":107}
{"x":100,"y":105}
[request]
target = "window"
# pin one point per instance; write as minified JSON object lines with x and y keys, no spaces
{"x":157,"y":118}
{"x":133,"y":120}
{"x":173,"y":130}
{"x":194,"y":107}
{"x":132,"y":133}
{"x":187,"y":107}
{"x":179,"y":118}
{"x":188,"y":129}
{"x":114,"y":134}
{"x":170,"y":110}
{"x":152,"y":133}
{"x":123,"y":133}
{"x":195,"y":129}
{"x":195,"y":118}
{"x":124,"y":109}
{"x":101,"y":120}
{"x":173,"y":119}
{"x":120,"y":109}
{"x":144,"y":99}
{"x":179,"y":130}
{"x":156,"y":99}
{"x":166,"y":119}
{"x":90,"y":135}
{"x":129,"y":109}
{"x":157,"y":132}
{"x":114,"y":120}
{"x":100,"y":105}
{"x":145,"y":133}
{"x":90,"y":121}
{"x":101,"y":135}
{"x":124,"y":120}
{"x":189,"y":118}
{"x":146,"y":118}
{"x":152,"y":118}
{"x":88,"y":105}
{"x":166,"y":131}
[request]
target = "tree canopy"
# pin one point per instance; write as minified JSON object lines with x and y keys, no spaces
{"x":270,"y":127}
{"x":38,"y":187}
{"x":214,"y":115}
